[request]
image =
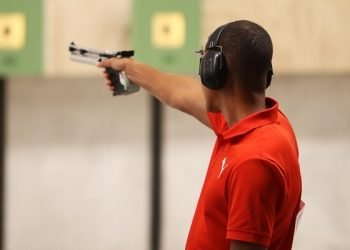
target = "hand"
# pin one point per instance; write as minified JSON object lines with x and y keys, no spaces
{"x":240,"y":245}
{"x":108,"y":81}
{"x":115,"y":63}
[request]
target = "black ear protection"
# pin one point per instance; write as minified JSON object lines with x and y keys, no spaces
{"x":212,"y":66}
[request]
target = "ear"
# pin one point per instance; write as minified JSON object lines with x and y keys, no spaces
{"x":269,"y":76}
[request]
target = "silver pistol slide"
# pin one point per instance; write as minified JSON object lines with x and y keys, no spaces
{"x":121,"y":84}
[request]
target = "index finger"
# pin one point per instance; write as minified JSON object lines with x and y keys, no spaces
{"x":115,"y":63}
{"x":104,"y":63}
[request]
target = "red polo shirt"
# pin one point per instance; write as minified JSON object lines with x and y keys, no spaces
{"x":253,"y":186}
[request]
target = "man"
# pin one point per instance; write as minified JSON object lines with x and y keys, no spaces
{"x":251,"y":195}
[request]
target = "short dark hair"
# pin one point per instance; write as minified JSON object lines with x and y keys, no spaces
{"x":247,"y":49}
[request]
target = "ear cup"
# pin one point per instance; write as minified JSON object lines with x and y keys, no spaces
{"x":212,"y":69}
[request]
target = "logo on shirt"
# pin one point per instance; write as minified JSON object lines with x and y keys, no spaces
{"x":223,"y":166}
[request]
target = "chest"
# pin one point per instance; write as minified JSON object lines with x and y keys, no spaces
{"x":227,"y":156}
{"x":215,"y":191}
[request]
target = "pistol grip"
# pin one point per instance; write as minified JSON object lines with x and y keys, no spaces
{"x":115,"y":78}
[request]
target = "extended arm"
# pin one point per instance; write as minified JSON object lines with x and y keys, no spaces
{"x":178,"y":91}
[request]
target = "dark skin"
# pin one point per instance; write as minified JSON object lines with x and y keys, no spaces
{"x":240,"y":245}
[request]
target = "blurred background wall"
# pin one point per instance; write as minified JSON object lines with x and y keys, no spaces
{"x":77,"y":161}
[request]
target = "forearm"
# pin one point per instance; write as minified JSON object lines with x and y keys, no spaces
{"x":240,"y":245}
{"x":178,"y":91}
{"x":168,"y":88}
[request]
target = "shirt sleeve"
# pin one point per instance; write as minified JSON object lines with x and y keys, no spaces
{"x":217,"y":121}
{"x":255,"y":190}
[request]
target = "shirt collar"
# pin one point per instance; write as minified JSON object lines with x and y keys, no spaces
{"x":253,"y":121}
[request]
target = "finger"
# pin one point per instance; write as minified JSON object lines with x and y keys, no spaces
{"x":104,"y":63}
{"x":109,"y":83}
{"x":106,"y":76}
{"x":115,"y":63}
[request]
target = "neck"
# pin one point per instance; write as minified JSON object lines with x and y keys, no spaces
{"x":237,"y":106}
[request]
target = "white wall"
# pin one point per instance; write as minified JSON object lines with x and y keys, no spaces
{"x":309,"y":36}
{"x":78,"y":165}
{"x":77,"y":173}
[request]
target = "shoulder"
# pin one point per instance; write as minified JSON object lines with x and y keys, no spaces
{"x":256,"y":178}
{"x":258,"y":171}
